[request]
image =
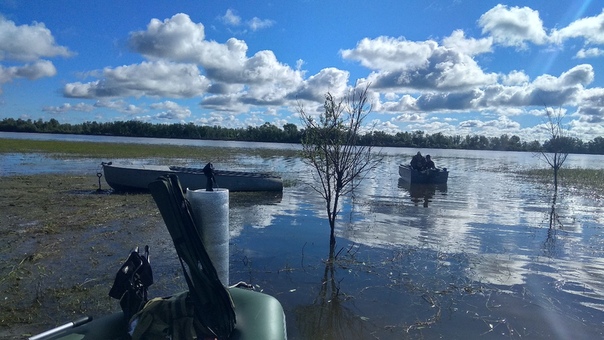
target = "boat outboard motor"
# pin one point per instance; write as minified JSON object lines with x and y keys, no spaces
{"x":208,"y":170}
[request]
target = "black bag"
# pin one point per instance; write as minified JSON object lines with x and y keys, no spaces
{"x":131,"y":282}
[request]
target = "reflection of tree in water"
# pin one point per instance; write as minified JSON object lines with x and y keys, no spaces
{"x":420,"y":281}
{"x":549,"y":246}
{"x":422,"y":193}
{"x":327,"y":317}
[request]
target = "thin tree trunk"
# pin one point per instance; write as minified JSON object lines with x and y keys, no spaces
{"x":552,"y":213}
{"x":332,"y":226}
{"x":556,"y":179}
{"x":332,"y":220}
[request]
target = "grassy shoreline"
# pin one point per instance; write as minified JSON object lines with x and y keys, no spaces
{"x":79,"y":149}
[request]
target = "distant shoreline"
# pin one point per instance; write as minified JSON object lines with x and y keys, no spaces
{"x":289,"y":133}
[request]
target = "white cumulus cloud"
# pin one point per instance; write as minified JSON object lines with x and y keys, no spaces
{"x":470,"y":46}
{"x":160,"y":79}
{"x":589,"y":53}
{"x":513,"y":26}
{"x":32,"y":71}
{"x":66,"y":107}
{"x":591,"y":29}
{"x":28,"y":42}
{"x":402,"y":64}
{"x":232,"y":19}
{"x":171,"y":110}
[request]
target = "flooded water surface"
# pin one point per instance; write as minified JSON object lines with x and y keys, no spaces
{"x":485,"y":256}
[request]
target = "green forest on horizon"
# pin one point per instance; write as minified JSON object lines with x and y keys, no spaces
{"x":291,"y":134}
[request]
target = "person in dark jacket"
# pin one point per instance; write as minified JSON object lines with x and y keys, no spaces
{"x":418,"y":161}
{"x":429,"y":163}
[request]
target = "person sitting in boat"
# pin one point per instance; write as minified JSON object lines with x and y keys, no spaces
{"x":418,"y":161}
{"x":429,"y":163}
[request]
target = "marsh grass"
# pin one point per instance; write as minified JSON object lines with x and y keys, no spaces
{"x":98,"y":150}
{"x":79,"y":149}
{"x":588,"y":180}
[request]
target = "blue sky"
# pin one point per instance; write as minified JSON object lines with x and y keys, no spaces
{"x":455,"y":67}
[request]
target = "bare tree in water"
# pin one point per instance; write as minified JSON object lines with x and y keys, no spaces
{"x":556,"y":149}
{"x":331,"y":146}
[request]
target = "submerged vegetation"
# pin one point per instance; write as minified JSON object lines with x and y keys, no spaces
{"x":591,"y":181}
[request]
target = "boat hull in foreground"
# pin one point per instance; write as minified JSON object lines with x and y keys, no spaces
{"x":259,"y":316}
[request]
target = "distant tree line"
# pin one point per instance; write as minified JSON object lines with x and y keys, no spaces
{"x":290,"y":134}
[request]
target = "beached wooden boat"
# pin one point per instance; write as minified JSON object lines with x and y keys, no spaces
{"x":429,"y":176}
{"x":125,"y":177}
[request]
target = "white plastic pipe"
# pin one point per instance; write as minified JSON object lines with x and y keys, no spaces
{"x":211,"y":213}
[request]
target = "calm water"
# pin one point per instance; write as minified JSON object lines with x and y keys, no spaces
{"x":474,"y":259}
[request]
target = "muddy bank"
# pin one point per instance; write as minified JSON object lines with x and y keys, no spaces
{"x":63,"y":242}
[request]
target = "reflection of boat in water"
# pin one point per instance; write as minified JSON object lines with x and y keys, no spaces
{"x":434,"y":176}
{"x":422,"y":191}
{"x":254,"y":198}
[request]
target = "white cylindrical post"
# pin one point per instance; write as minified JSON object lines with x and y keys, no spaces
{"x":211,"y":213}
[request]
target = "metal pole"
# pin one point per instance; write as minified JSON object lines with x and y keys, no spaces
{"x":73,"y":324}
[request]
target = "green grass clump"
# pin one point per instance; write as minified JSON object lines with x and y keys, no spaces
{"x":80,"y":149}
{"x":584,"y":179}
